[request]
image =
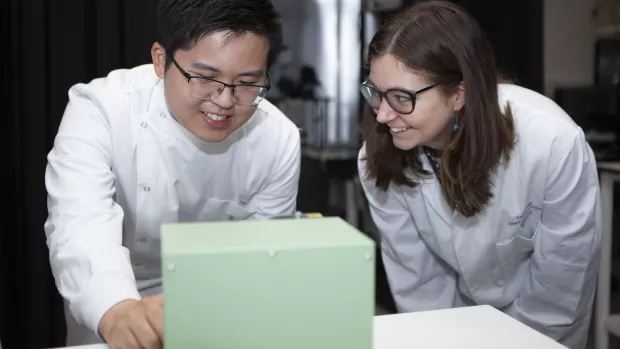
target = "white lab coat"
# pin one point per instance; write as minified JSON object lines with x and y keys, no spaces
{"x":534,"y":250}
{"x":121,"y":166}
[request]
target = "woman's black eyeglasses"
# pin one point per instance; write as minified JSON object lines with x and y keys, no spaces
{"x":401,"y":100}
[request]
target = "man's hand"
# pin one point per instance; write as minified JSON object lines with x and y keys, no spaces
{"x":131,"y":324}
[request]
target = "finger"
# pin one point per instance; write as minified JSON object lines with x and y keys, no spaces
{"x":159,"y":299}
{"x":124,"y":340}
{"x":142,"y":331}
{"x":146,"y":337}
{"x":155,"y":318}
{"x":130,"y":342}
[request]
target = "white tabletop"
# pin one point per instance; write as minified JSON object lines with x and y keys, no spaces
{"x":480,"y":327}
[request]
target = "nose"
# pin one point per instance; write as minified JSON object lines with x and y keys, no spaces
{"x":225,"y":99}
{"x":385,"y":113}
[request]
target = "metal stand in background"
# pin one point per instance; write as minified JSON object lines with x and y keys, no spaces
{"x":325,"y":161}
{"x":606,"y":323}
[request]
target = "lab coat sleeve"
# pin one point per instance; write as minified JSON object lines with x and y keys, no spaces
{"x":558,"y":294}
{"x":418,"y":279}
{"x":279,"y":195}
{"x":84,"y":226}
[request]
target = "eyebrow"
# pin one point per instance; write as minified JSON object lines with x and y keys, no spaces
{"x":373,"y":84}
{"x":208,"y":67}
{"x":391,"y":88}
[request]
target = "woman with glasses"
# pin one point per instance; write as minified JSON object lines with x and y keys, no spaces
{"x":187,"y":138}
{"x":483,"y":192}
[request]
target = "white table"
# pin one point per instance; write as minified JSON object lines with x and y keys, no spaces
{"x":604,"y":322}
{"x":479,"y":327}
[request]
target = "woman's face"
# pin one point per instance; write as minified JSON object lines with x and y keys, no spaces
{"x":432,"y":119}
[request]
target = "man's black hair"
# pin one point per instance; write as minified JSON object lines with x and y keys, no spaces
{"x":181,"y":23}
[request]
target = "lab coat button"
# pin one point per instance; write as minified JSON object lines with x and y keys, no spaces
{"x":163,"y":116}
{"x":147,"y":189}
{"x":143,"y":125}
{"x":143,"y":240}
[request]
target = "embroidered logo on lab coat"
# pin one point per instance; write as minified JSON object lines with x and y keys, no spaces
{"x":527,"y":212}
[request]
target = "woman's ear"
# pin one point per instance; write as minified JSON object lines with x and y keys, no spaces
{"x":158,"y":54}
{"x":461,"y":97}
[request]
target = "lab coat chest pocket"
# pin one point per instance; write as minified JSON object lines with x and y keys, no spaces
{"x":223,"y":210}
{"x":514,"y":254}
{"x":516,"y":242}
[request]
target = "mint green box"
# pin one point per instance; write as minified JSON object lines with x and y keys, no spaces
{"x":276,"y":284}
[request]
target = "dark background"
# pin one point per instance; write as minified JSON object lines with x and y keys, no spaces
{"x":49,"y":45}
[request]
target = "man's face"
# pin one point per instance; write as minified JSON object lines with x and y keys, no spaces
{"x":238,"y":60}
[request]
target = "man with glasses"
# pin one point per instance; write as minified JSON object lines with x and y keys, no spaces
{"x":188,"y":138}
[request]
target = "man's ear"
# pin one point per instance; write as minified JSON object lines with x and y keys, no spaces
{"x":158,"y":54}
{"x":461,"y":97}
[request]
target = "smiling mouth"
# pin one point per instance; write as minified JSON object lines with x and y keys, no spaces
{"x":215,"y":117}
{"x":216,"y":121}
{"x":398,"y":129}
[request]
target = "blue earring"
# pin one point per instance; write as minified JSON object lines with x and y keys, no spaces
{"x":456,"y":125}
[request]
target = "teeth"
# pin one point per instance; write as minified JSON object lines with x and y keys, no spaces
{"x":396,"y":130}
{"x":214,"y":116}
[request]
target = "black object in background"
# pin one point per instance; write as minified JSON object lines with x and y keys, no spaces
{"x":48,"y":46}
{"x":515,"y":29}
{"x":591,"y":107}
{"x":607,"y":62}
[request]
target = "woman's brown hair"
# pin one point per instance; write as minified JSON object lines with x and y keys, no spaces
{"x":441,"y":41}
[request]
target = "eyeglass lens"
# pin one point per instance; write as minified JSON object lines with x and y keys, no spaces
{"x":209,"y":90}
{"x":400,"y":101}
